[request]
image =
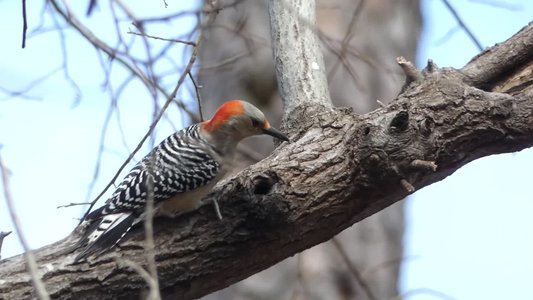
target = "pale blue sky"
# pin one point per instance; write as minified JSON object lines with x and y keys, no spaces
{"x":468,"y":236}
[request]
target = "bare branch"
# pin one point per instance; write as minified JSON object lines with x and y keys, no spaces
{"x":424,"y":164}
{"x":73,"y":204}
{"x":299,"y":62}
{"x":64,"y":57}
{"x":407,"y":186}
{"x":206,"y":10}
{"x":92,"y":5}
{"x":353,"y":269}
{"x":346,"y":42}
{"x":152,"y":283}
{"x":101,"y":45}
{"x":463,"y":25}
{"x":96,"y":172}
{"x":24,"y":24}
{"x":28,"y":253}
{"x":500,"y":4}
{"x":190,"y":43}
{"x":3,"y":234}
{"x":488,"y":72}
{"x":198,"y":96}
{"x":22,"y":92}
{"x":410,"y":71}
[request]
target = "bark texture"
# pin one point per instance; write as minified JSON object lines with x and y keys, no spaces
{"x":360,"y":41}
{"x":340,"y":169}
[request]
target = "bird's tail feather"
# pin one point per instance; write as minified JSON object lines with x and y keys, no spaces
{"x":105,"y":233}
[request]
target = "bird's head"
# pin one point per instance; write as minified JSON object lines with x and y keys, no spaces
{"x":236,"y":119}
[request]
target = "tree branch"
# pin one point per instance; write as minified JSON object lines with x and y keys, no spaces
{"x":3,"y":235}
{"x":298,"y":58}
{"x":340,"y":169}
{"x":37,"y":283}
{"x":495,"y":68}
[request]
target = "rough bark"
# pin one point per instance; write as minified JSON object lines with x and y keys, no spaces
{"x":298,"y":59}
{"x":360,"y":41}
{"x":340,"y":169}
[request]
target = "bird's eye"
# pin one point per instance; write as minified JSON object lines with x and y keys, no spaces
{"x":255,"y":122}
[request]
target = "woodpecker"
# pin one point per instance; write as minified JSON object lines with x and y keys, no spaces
{"x":178,"y":173}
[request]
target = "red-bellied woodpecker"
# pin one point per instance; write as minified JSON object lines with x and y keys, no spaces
{"x":178,"y":173}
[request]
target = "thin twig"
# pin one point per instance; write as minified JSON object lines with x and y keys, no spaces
{"x":24,"y":24}
{"x":224,"y":62}
{"x":190,"y":43}
{"x":424,"y":164}
{"x":393,"y":262}
{"x":92,"y":5}
{"x":409,"y":69}
{"x":145,"y":275}
{"x":198,"y":96}
{"x":463,"y":25}
{"x":28,"y":253}
{"x":149,"y":237}
{"x":3,"y":234}
{"x":299,"y":291}
{"x":149,"y":209}
{"x":500,"y":4}
{"x":407,"y":186}
{"x":64,"y":57}
{"x":101,"y":145}
{"x":115,"y":96}
{"x":111,"y":52}
{"x":149,"y":65}
{"x":346,"y":40}
{"x":211,"y":9}
{"x":73,"y":204}
{"x":353,"y":269}
{"x":31,"y":85}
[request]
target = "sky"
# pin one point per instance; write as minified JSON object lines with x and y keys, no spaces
{"x":470,"y":236}
{"x":467,"y":237}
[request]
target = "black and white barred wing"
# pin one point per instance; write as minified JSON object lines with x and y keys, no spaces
{"x":182,"y":163}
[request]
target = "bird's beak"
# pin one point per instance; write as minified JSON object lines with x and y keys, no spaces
{"x":275,"y":133}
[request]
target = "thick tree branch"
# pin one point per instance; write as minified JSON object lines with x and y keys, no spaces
{"x":504,"y":69}
{"x":339,"y":169}
{"x":298,"y":58}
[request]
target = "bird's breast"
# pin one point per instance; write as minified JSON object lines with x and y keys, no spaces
{"x":185,"y":202}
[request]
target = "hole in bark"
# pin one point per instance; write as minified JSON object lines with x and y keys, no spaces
{"x":263,"y":185}
{"x":366,"y":130}
{"x":267,"y":213}
{"x":400,"y":121}
{"x":426,"y":126}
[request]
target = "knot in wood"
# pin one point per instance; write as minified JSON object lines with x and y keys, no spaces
{"x":263,"y":184}
{"x":400,"y":122}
